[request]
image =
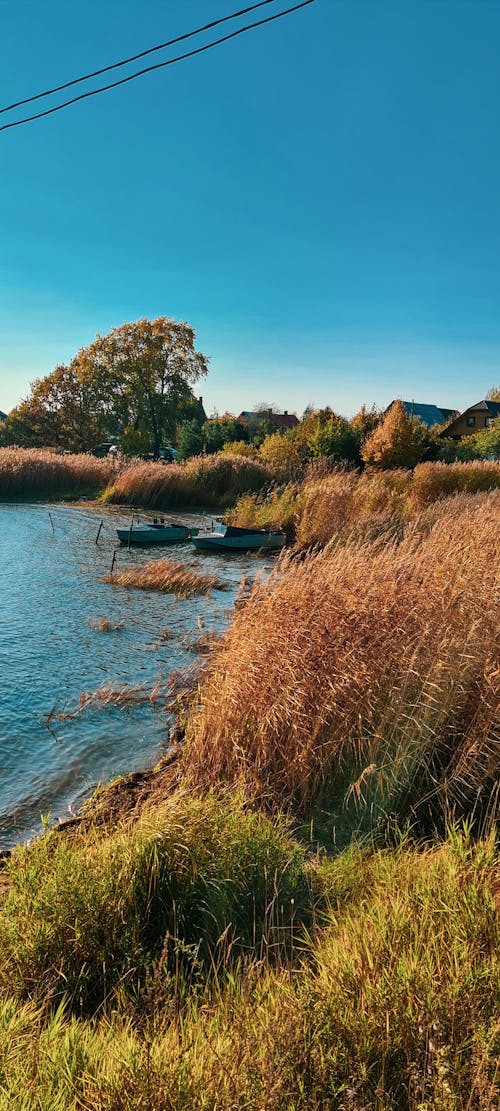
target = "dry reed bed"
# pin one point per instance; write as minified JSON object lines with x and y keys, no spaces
{"x":374,"y":503}
{"x":205,"y":480}
{"x":32,"y":471}
{"x":167,"y":577}
{"x":365,"y":676}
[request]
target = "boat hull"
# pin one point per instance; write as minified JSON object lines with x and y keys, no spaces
{"x":213,"y":541}
{"x":142,"y":534}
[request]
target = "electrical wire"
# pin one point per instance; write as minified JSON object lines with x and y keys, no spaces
{"x":134,"y":57}
{"x":158,"y":65}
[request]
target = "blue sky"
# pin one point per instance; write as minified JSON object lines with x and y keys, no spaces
{"x":318,"y":198}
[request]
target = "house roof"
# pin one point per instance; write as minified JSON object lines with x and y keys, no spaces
{"x":3,"y":416}
{"x":428,"y":414}
{"x":283,"y":420}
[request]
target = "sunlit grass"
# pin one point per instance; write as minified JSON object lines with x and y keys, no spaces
{"x":167,"y":577}
{"x":363,"y":678}
{"x":31,"y":472}
{"x":389,"y":1001}
{"x":205,"y":480}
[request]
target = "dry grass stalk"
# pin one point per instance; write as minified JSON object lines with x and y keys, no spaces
{"x":167,"y":577}
{"x":365,"y":654}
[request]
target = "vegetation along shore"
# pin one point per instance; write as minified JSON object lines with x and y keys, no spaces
{"x":298,"y":907}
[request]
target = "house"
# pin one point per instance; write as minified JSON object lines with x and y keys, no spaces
{"x":284,"y":420}
{"x":473,"y":419}
{"x":428,"y":414}
{"x":3,"y":416}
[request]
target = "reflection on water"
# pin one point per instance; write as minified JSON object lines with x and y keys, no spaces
{"x":52,"y":602}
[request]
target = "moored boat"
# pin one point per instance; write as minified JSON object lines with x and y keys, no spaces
{"x":232,"y":538}
{"x":155,"y":532}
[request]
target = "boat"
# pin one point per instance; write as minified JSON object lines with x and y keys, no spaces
{"x":232,"y":538}
{"x":157,"y":531}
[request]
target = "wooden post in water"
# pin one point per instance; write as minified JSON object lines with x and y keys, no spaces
{"x":99,"y":531}
{"x":51,"y":521}
{"x":130,"y":532}
{"x":113,"y":561}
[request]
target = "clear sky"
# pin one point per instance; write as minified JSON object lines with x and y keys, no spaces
{"x":320,"y":198}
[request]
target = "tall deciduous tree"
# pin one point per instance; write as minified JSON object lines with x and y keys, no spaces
{"x":129,"y":385}
{"x":143,"y":373}
{"x":398,"y":441}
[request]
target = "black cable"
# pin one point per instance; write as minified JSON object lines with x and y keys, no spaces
{"x":159,"y":65}
{"x":134,"y":57}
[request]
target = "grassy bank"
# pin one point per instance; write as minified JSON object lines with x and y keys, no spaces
{"x":387,"y":999}
{"x":185,"y":945}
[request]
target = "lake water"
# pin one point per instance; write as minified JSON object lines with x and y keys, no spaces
{"x":51,"y":595}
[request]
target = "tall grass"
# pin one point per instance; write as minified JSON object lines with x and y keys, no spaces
{"x":336,"y":503}
{"x":206,"y":480}
{"x":87,"y":918}
{"x":363,"y":678}
{"x":392,"y":1004}
{"x":31,"y":472}
{"x":167,"y":577}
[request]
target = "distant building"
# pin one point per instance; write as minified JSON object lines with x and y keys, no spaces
{"x":428,"y":414}
{"x":281,"y":420}
{"x":3,"y":416}
{"x":473,"y":419}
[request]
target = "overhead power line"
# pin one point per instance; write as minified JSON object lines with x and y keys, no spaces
{"x":149,"y":69}
{"x":134,"y":57}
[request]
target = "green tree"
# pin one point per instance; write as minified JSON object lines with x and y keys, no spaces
{"x":129,"y":385}
{"x":143,"y":373}
{"x":398,"y":441}
{"x":223,"y":430}
{"x":190,"y":440}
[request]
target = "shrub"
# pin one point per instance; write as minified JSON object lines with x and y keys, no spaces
{"x":278,"y":511}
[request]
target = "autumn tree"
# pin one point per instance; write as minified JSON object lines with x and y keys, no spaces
{"x":130,"y":386}
{"x":398,"y":441}
{"x":143,"y":373}
{"x":60,"y":411}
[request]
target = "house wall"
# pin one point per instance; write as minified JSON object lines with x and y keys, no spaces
{"x":482,"y":420}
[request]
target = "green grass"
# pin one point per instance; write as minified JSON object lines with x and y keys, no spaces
{"x":88,"y":916}
{"x":389,"y":1002}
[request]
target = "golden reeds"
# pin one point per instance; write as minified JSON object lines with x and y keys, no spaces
{"x":167,"y":577}
{"x":30,"y":472}
{"x":365,"y":674}
{"x":205,"y":480}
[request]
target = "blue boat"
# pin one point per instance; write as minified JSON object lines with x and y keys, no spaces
{"x":230,"y":538}
{"x":157,"y":531}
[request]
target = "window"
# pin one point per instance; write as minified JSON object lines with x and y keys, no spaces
{"x":487,"y":422}
{"x":470,"y":422}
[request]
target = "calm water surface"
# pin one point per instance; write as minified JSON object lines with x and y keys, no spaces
{"x":51,"y":591}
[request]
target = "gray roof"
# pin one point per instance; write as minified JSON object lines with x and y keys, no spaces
{"x":3,"y":416}
{"x":428,"y":414}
